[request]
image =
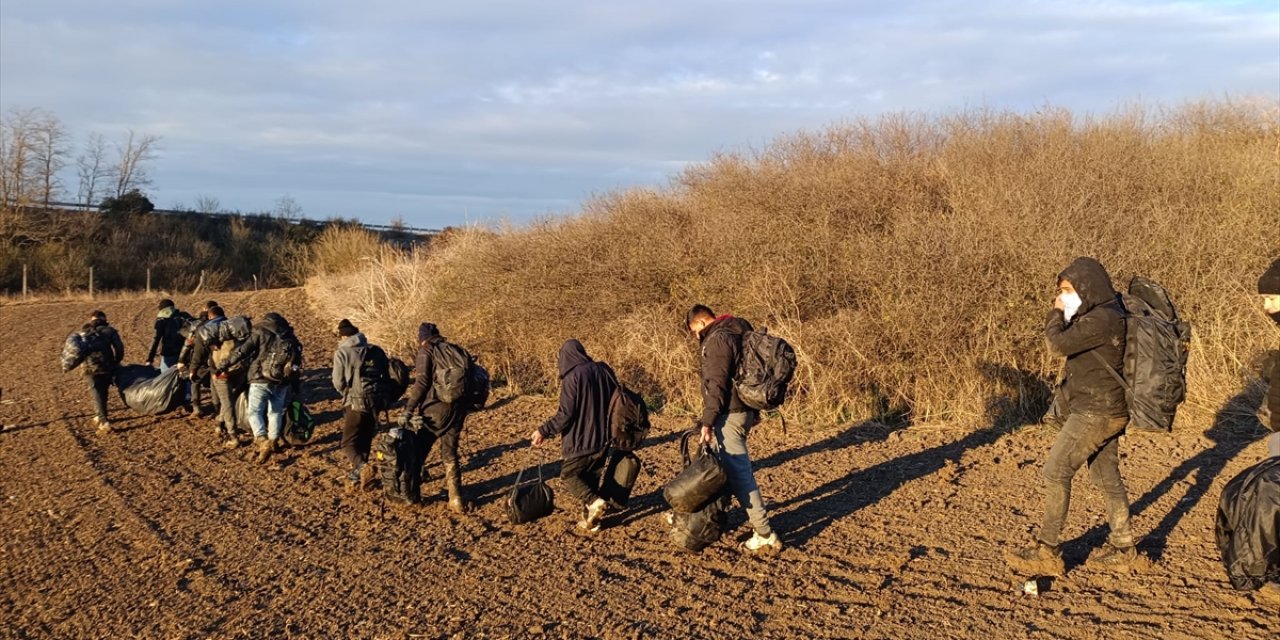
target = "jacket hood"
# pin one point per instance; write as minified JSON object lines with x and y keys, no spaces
{"x":358,"y":340}
{"x":166,"y":313}
{"x":1091,"y":281}
{"x":572,"y":354}
{"x":1269,"y":283}
{"x":274,"y":322}
{"x":427,"y":332}
{"x":726,"y":323}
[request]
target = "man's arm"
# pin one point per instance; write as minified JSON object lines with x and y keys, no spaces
{"x":247,"y":349}
{"x":569,"y":390}
{"x":117,"y":346}
{"x":1090,"y":331}
{"x":422,"y":374}
{"x":339,"y":375}
{"x":717,"y":376}
{"x":155,"y":342}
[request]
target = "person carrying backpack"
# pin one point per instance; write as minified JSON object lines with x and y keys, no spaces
{"x":1086,"y":319}
{"x":357,"y":371}
{"x":429,"y":414}
{"x":168,"y":335}
{"x":1269,"y":291}
{"x":582,"y":422}
{"x":105,"y":353}
{"x":727,"y":419}
{"x":227,"y":380}
{"x":193,"y":361}
{"x":275,"y":365}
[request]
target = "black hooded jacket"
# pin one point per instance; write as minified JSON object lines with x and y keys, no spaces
{"x":1098,"y":327}
{"x":586,"y":389}
{"x":721,"y":351}
{"x":272,"y":326}
{"x":422,"y":392}
{"x":1269,"y":283}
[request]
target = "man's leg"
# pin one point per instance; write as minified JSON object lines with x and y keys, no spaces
{"x":576,"y":475}
{"x":731,"y":433}
{"x":99,"y":385}
{"x":1104,"y":470}
{"x":258,"y":411}
{"x":276,"y":397}
{"x":367,"y":428}
{"x":452,"y":468}
{"x":352,"y":421}
{"x":226,"y":407}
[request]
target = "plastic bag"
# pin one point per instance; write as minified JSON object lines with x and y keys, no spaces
{"x":147,"y":391}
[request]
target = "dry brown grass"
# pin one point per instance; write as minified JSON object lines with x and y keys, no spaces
{"x":909,"y":259}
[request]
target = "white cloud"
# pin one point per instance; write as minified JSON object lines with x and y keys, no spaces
{"x":513,"y":107}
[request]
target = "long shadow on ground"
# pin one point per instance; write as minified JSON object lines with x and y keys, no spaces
{"x":1234,"y":427}
{"x":804,"y":517}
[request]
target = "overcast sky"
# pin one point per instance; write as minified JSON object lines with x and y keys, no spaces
{"x":448,"y":112}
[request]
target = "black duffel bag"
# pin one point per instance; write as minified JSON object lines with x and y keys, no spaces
{"x":702,"y":528}
{"x":703,"y":477}
{"x":1248,"y":526}
{"x":619,"y":478}
{"x":529,"y":501}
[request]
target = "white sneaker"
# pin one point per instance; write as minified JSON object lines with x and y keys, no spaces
{"x":759,"y":543}
{"x":594,"y":514}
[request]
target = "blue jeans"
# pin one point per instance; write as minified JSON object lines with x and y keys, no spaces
{"x":266,"y":409}
{"x":731,"y":434}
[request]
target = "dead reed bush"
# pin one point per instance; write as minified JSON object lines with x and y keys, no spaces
{"x":910,"y":260}
{"x":342,"y":248}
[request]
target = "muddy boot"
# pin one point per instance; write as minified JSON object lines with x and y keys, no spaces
{"x":1039,"y":559}
{"x":453,"y":484}
{"x":264,"y":450}
{"x":1113,"y":557}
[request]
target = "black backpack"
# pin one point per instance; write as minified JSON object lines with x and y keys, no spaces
{"x":399,"y":377}
{"x":399,"y":465}
{"x":280,"y":358}
{"x":702,"y":479}
{"x":1247,"y":523}
{"x":1157,"y":343}
{"x":765,"y":368}
{"x":374,"y":377}
{"x":628,"y":417}
{"x":702,"y":528}
{"x":452,"y":366}
{"x":477,"y":395}
{"x":529,"y":501}
{"x":176,"y":329}
{"x":619,"y":479}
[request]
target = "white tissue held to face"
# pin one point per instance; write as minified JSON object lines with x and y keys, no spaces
{"x":1070,"y":304}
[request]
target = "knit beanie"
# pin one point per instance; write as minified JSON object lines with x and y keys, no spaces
{"x":346,"y":329}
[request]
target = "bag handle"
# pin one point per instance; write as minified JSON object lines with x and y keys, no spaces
{"x":542,"y":457}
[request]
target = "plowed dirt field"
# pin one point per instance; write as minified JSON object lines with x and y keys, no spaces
{"x":155,"y":531}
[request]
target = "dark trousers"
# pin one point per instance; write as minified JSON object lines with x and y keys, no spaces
{"x":358,"y":428}
{"x":580,"y":476}
{"x":1095,"y":441}
{"x":448,"y":440}
{"x":225,"y":393}
{"x":99,"y":385}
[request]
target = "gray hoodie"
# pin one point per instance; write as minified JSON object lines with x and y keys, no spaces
{"x":346,"y":372}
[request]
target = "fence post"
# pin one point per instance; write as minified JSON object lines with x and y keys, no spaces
{"x":255,"y":282}
{"x":90,"y":283}
{"x":148,"y":281}
{"x":24,"y":281}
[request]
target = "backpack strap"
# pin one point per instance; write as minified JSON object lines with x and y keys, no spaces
{"x":1111,"y":370}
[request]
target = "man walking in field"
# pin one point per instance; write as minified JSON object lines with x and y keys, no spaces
{"x":350,"y":378}
{"x":106,"y":354}
{"x":1087,"y":325}
{"x":1269,"y":291}
{"x":439,"y":420}
{"x":582,"y":422}
{"x":726,"y":419}
{"x":275,"y":358}
{"x":193,"y":360}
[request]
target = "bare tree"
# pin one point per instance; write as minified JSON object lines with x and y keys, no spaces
{"x":207,"y":204}
{"x":288,"y":208}
{"x":49,"y":156}
{"x":131,"y":164}
{"x":92,"y":169}
{"x":17,"y":143}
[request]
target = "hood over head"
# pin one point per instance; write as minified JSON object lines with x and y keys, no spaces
{"x":355,"y":340}
{"x":427,"y":332}
{"x":572,"y":354}
{"x":274,"y":323}
{"x":1091,"y":281}
{"x":1269,"y":283}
